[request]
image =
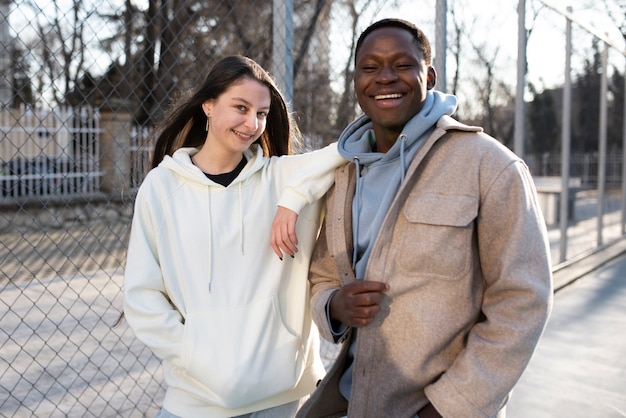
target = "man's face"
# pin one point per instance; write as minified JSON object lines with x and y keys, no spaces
{"x":391,"y":79}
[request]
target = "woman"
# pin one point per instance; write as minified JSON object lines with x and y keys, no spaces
{"x":203,"y":289}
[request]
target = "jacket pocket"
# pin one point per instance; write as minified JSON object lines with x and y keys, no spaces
{"x":438,"y":236}
{"x":242,"y":354}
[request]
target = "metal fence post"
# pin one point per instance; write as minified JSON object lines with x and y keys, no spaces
{"x":566,"y":139}
{"x":604,"y":89}
{"x":623,"y":207}
{"x":6,"y":92}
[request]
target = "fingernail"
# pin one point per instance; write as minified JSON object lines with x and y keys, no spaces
{"x":292,"y":256}
{"x":280,"y":258}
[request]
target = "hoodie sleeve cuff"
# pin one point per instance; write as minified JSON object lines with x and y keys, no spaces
{"x":293,"y":201}
{"x":338,"y":330}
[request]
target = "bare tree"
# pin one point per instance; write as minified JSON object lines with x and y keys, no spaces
{"x":309,"y":32}
{"x":61,"y":45}
{"x":455,"y":47}
{"x":159,"y":51}
{"x":355,"y":10}
{"x":493,"y":95}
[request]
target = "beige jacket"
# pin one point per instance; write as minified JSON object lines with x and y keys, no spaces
{"x":464,"y":250}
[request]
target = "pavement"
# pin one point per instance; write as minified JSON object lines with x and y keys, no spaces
{"x":61,"y":355}
{"x":579,"y":367}
{"x":586,"y":263}
{"x":82,"y":366}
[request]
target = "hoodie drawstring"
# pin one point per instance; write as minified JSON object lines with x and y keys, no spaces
{"x":359,"y":185}
{"x":241,"y":227}
{"x":210,"y":249}
{"x":240,"y":219}
{"x":358,"y":193}
{"x":403,"y":140}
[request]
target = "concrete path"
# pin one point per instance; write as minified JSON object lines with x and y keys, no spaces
{"x":579,"y":368}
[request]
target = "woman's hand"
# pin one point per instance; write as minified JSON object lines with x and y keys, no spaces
{"x":283,"y":239}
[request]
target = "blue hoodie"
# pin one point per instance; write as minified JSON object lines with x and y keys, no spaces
{"x":382,"y":173}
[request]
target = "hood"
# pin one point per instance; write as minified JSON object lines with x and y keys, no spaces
{"x":356,"y":138}
{"x":180,"y":163}
{"x":379,"y":175}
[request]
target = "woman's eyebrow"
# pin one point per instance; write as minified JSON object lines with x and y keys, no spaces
{"x":246,"y":102}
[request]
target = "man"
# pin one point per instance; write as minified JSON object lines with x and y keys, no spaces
{"x":433,"y":264}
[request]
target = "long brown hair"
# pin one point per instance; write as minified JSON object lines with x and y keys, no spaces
{"x":185,"y":125}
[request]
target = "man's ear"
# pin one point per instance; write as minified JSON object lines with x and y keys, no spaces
{"x":431,"y":78}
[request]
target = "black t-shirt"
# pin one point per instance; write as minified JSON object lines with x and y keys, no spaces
{"x":226,"y":178}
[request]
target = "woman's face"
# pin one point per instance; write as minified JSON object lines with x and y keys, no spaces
{"x":238,"y":116}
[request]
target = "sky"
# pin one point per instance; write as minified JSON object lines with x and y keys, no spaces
{"x":490,"y":27}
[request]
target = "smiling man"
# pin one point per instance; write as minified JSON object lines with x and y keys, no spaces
{"x":433,"y":265}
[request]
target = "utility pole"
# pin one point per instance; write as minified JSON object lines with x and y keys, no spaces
{"x":520,"y":111}
{"x":441,"y":44}
{"x":282,"y":47}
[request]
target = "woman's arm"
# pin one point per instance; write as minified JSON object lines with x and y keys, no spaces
{"x":305,"y":178}
{"x":301,"y":180}
{"x":147,"y":307}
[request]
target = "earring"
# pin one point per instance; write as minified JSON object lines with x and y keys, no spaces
{"x":207,"y":123}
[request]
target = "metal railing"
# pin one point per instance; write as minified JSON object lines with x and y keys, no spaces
{"x":45,"y":154}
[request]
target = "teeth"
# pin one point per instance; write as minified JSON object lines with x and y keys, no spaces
{"x":242,"y":134}
{"x":388,"y":96}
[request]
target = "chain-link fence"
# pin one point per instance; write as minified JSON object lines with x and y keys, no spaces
{"x":81,"y":85}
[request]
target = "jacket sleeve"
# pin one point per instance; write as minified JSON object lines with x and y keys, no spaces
{"x":324,"y":283}
{"x":305,"y":178}
{"x":147,"y":308}
{"x":331,"y":262}
{"x":514,"y":257}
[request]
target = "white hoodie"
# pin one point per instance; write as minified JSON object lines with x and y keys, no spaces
{"x":206,"y":293}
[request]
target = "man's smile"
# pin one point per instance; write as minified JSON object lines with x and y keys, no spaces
{"x":388,"y":96}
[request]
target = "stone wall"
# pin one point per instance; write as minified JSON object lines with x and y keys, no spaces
{"x":63,"y":215}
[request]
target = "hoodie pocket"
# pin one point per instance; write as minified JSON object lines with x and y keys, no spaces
{"x":243,"y":354}
{"x":439,"y":234}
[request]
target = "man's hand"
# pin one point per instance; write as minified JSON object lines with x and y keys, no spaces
{"x":357,"y":303}
{"x":283,"y":239}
